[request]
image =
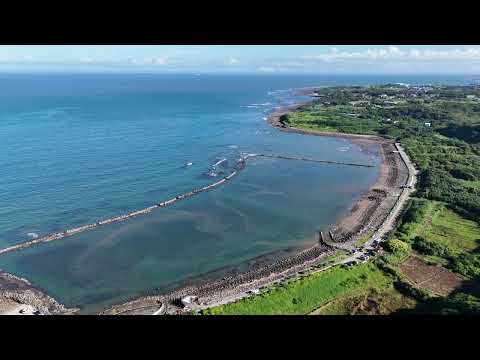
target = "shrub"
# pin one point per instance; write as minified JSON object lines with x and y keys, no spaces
{"x":466,"y":264}
{"x":459,"y":303}
{"x":463,"y":263}
{"x":410,"y":290}
{"x":396,"y":245}
{"x":426,"y":247}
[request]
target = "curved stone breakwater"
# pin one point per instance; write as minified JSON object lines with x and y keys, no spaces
{"x":70,"y":232}
{"x":240,"y":166}
{"x":312,"y":160}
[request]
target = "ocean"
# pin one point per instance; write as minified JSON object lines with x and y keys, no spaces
{"x":78,"y":148}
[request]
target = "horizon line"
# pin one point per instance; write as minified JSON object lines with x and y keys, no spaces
{"x":196,"y":73}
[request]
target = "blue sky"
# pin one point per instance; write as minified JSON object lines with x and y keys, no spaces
{"x":323,"y":59}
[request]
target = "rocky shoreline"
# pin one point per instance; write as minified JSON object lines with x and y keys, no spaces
{"x":16,"y":290}
{"x":226,"y":289}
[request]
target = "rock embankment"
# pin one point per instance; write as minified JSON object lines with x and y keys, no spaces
{"x":229,"y":286}
{"x":373,"y":209}
{"x":21,"y":291}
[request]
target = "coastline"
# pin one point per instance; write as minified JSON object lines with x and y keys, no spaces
{"x":369,"y":210}
{"x":17,"y":293}
{"x":367,"y":213}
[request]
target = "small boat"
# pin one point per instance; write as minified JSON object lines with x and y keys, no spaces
{"x":189,"y":164}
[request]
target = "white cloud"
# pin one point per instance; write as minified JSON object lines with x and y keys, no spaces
{"x":153,"y":61}
{"x":395,"y":53}
{"x":341,"y":59}
{"x":266,"y":69}
{"x":87,"y":60}
{"x":272,"y":69}
{"x":232,"y":61}
{"x":13,"y":59}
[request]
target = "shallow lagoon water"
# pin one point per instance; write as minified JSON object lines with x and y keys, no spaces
{"x":271,"y":206}
{"x":79,"y":148}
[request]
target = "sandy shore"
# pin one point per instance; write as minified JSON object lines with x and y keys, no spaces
{"x":371,"y":209}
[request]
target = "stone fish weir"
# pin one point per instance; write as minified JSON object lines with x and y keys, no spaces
{"x":239,"y":166}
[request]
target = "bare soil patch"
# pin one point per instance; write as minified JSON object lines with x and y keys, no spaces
{"x":434,"y":278}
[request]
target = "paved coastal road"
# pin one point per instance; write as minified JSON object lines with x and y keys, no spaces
{"x":404,"y":195}
{"x":389,"y":223}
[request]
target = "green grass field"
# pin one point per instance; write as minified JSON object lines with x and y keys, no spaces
{"x":305,"y":295}
{"x":450,"y":229}
{"x":442,"y":225}
{"x":306,"y":120}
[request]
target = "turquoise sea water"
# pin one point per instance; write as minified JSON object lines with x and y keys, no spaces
{"x":79,"y":148}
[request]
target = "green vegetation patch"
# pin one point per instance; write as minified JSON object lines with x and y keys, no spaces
{"x":442,"y":236}
{"x":371,"y":302}
{"x":475,"y":184}
{"x":336,"y":119}
{"x":437,"y":223}
{"x":363,"y":239}
{"x":398,"y":252}
{"x":307,"y":294}
{"x":452,"y":230}
{"x":439,"y":127}
{"x":458,"y":303}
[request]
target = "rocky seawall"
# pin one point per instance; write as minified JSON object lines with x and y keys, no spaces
{"x":14,"y":289}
